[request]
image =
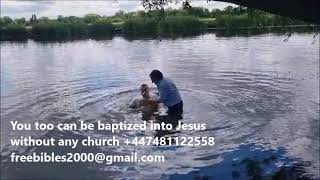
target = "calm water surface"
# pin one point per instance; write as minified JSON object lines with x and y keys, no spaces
{"x":259,"y":97}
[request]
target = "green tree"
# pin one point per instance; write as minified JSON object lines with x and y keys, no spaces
{"x":21,"y":21}
{"x":198,"y":11}
{"x":91,"y":18}
{"x":33,"y":19}
{"x":141,"y":13}
{"x":13,"y":31}
{"x":120,"y":13}
{"x":60,"y":18}
{"x":72,"y":19}
{"x":44,"y":19}
{"x":5,"y":21}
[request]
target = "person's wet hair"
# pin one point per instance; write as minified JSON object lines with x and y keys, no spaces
{"x":156,"y":75}
{"x":144,"y":89}
{"x":144,"y":86}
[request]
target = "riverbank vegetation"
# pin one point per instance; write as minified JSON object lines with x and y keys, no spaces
{"x":169,"y":22}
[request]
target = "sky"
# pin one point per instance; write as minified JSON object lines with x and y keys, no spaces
{"x":53,"y":8}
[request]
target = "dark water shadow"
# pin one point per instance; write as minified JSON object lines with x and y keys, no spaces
{"x":50,"y":170}
{"x":247,"y":32}
{"x":169,"y":36}
{"x":249,"y":162}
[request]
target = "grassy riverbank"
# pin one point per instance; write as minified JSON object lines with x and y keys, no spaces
{"x":169,"y":22}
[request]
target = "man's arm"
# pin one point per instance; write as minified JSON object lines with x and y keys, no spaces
{"x":163,"y":93}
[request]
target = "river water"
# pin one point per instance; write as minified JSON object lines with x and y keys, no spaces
{"x":258,"y":95}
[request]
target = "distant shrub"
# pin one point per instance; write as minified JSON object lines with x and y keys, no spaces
{"x":78,"y":29}
{"x":116,"y":20}
{"x":59,"y":30}
{"x":209,"y":22}
{"x":5,"y":21}
{"x":254,"y":19}
{"x":227,"y":21}
{"x":198,"y":11}
{"x":101,"y":28}
{"x":176,"y":12}
{"x":184,"y":21}
{"x":21,"y":21}
{"x":51,"y":30}
{"x":139,"y":25}
{"x":181,"y":25}
{"x":91,"y":18}
{"x":13,"y":31}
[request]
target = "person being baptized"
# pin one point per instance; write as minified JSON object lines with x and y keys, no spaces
{"x":147,"y":103}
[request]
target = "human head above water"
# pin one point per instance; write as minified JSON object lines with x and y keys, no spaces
{"x":156,"y":76}
{"x":144,"y":90}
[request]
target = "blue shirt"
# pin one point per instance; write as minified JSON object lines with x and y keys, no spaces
{"x":168,"y":92}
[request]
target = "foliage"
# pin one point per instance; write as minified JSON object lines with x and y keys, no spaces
{"x":91,"y":18}
{"x":254,"y":19}
{"x":50,"y":30}
{"x":101,"y":28}
{"x":181,"y":24}
{"x":21,"y":21}
{"x":209,"y":22}
{"x":116,"y":20}
{"x":59,"y":30}
{"x":139,"y":25}
{"x":198,"y":11}
{"x":5,"y":21}
{"x":154,"y":22}
{"x":234,"y":21}
{"x":13,"y":31}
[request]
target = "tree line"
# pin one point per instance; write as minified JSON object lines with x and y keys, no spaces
{"x":183,"y":21}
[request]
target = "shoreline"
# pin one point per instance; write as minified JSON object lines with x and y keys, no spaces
{"x":171,"y":23}
{"x":227,"y":32}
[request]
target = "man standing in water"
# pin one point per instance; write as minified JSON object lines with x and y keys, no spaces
{"x":168,"y":95}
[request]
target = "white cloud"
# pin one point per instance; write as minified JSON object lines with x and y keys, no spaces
{"x":52,"y":9}
{"x":23,"y":8}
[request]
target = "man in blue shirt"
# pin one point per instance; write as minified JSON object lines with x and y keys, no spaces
{"x":168,"y":94}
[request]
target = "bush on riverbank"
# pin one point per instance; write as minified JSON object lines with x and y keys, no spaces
{"x":173,"y":22}
{"x":226,"y":21}
{"x":140,"y":26}
{"x":13,"y":32}
{"x":54,"y":30}
{"x":254,"y":20}
{"x":168,"y":26}
{"x":101,"y":28}
{"x":181,"y":25}
{"x":61,"y":30}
